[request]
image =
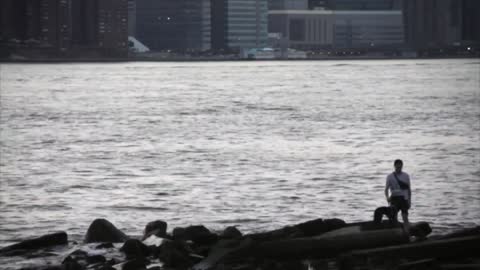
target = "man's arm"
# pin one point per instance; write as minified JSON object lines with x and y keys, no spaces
{"x":409,"y":197}
{"x":386,"y":191}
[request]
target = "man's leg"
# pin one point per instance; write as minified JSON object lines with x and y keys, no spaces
{"x":406,"y":223}
{"x":392,"y":215}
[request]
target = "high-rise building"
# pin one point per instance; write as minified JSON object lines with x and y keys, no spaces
{"x":84,"y":22}
{"x":369,"y":29}
{"x":100,"y":25}
{"x":471,"y":21}
{"x":71,"y":27}
{"x":182,"y":25}
{"x":365,"y":4}
{"x":132,"y":17}
{"x":239,"y":24}
{"x":320,"y":29}
{"x":41,"y":22}
{"x":113,"y":26}
{"x":437,"y":24}
{"x":287,"y":4}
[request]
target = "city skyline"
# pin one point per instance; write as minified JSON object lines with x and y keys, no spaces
{"x":101,"y":28}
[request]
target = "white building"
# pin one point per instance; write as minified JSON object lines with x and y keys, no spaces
{"x":317,"y":29}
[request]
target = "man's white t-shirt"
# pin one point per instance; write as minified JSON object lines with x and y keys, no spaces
{"x":394,"y":187}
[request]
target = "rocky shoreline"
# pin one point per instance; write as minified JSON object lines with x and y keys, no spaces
{"x":313,"y":245}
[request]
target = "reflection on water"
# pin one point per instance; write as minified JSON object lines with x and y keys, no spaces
{"x":259,"y":145}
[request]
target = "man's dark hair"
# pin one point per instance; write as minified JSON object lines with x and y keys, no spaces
{"x":398,"y":161}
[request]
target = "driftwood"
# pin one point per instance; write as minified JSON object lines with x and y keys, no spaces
{"x":448,"y":248}
{"x":330,"y":244}
{"x":58,"y":238}
{"x":462,"y":233}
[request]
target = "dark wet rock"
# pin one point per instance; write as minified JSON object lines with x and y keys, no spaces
{"x":54,"y":239}
{"x":96,"y":259}
{"x":419,"y":264}
{"x":178,"y":233}
{"x":51,"y":267}
{"x":71,"y":264}
{"x":82,"y":258}
{"x":313,"y":227}
{"x":77,"y":255}
{"x":231,"y":233}
{"x":175,"y":254}
{"x":420,"y":230}
{"x":101,"y":230}
{"x":226,"y":252}
{"x":111,"y":262}
{"x":157,"y":228}
{"x":104,"y":246}
{"x":199,"y":234}
{"x":282,"y":265}
{"x":106,"y":267}
{"x":136,"y":264}
{"x":334,"y":224}
{"x":134,"y":248}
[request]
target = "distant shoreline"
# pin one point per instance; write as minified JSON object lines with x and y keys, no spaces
{"x":142,"y":59}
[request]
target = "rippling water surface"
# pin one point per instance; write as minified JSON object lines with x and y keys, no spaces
{"x":254,"y":144}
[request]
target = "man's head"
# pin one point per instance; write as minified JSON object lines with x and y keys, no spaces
{"x":398,"y":164}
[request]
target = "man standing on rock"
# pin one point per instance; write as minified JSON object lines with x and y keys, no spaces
{"x":400,"y":198}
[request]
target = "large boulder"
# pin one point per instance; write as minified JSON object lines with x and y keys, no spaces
{"x":48,"y":240}
{"x":157,"y":228}
{"x":101,"y":230}
{"x":225,"y":253}
{"x":133,"y":248}
{"x":136,"y":264}
{"x":231,"y":233}
{"x":178,"y":233}
{"x":199,"y":234}
{"x":420,"y":229}
{"x":175,"y":254}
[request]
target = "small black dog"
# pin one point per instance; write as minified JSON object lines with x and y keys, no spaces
{"x":388,"y":211}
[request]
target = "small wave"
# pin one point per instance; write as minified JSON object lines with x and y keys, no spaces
{"x":141,"y":208}
{"x":237,"y":221}
{"x":80,"y":187}
{"x":125,"y":175}
{"x":51,"y":207}
{"x":82,"y":171}
{"x":281,"y":108}
{"x":342,"y":65}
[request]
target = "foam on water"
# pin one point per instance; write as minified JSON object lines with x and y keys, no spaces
{"x":259,"y":145}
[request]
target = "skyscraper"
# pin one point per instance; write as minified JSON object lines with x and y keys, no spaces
{"x":471,"y":21}
{"x":181,"y":25}
{"x":113,"y":26}
{"x":287,"y":4}
{"x":239,"y":24}
{"x":132,"y":17}
{"x":71,"y":27}
{"x":364,"y":4}
{"x":437,"y":24}
{"x":41,"y":22}
{"x":100,"y":25}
